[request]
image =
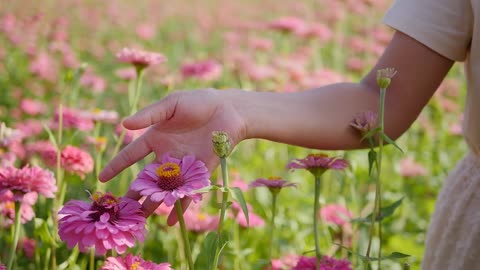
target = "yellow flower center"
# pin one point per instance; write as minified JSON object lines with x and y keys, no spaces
{"x":96,"y":111}
{"x":168,"y":170}
{"x":318,"y":155}
{"x":134,"y":266}
{"x":201,"y":216}
{"x":274,"y":178}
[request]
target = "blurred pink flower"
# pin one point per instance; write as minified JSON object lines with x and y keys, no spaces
{"x":132,"y":262}
{"x":261,"y":44}
{"x":365,"y":121}
{"x":28,"y":246}
{"x":7,"y":208}
{"x":237,"y":182}
{"x":145,"y":31}
{"x":130,"y":135}
{"x":318,"y":163}
{"x":7,"y":159}
{"x":239,"y":216}
{"x":318,"y":31}
{"x":207,"y":70}
{"x":274,"y":184}
{"x":259,"y":72}
{"x":286,"y":262}
{"x":105,"y":224}
{"x":355,"y":64}
{"x":74,"y":160}
{"x":198,"y":221}
{"x":288,"y":24}
{"x":99,"y":115}
{"x":326,"y":263}
{"x":93,"y":82}
{"x":73,"y":119}
{"x":163,"y":210}
{"x":126,"y":73}
{"x":172,"y":179}
{"x":44,"y":67}
{"x":26,"y":180}
{"x":2,"y":266}
{"x":139,"y":58}
{"x":32,"y":107}
{"x":410,"y":168}
{"x":335,"y":214}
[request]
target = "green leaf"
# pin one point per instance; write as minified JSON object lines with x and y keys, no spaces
{"x":43,"y":232}
{"x":238,"y":196}
{"x":384,"y":212}
{"x":260,"y":264}
{"x":207,"y":189}
{"x":372,"y":157}
{"x":392,"y":256}
{"x":207,"y":253}
{"x":51,"y":136}
{"x":392,"y":142}
{"x":370,"y":133}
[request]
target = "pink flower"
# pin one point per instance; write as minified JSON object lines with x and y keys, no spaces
{"x":104,"y":116}
{"x":318,"y":31}
{"x":365,"y":121}
{"x":72,"y":119}
{"x":275,"y":184}
{"x":126,"y":73}
{"x":208,"y":70}
{"x":28,"y":245}
{"x":335,"y":214}
{"x":286,"y":262}
{"x":132,"y":262}
{"x":2,"y":266}
{"x":288,"y":24}
{"x":239,"y":215}
{"x":73,"y":160}
{"x":93,"y":82}
{"x":172,"y":179}
{"x":163,"y":210}
{"x":44,"y":67}
{"x":318,"y":163}
{"x":410,"y":168}
{"x":106,"y":223}
{"x":30,"y":127}
{"x":140,"y":59}
{"x":198,"y":221}
{"x":25,"y":180}
{"x":326,"y":263}
{"x":7,"y":208}
{"x":32,"y":107}
{"x":145,"y":31}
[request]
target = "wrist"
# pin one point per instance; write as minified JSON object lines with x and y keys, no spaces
{"x":244,"y":104}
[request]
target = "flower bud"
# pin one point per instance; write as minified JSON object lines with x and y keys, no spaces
{"x":384,"y":77}
{"x":221,"y":143}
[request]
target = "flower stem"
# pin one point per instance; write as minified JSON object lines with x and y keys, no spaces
{"x":236,"y":239}
{"x":316,"y":207}
{"x":16,"y":235}
{"x":223,"y":164}
{"x":379,"y":169}
{"x":183,"y":229}
{"x":92,"y":259}
{"x":272,"y":224}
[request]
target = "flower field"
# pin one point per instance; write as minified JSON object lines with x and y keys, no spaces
{"x":70,"y":71}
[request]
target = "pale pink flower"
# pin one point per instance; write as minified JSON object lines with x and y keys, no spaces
{"x":132,"y":262}
{"x":32,"y":107}
{"x":239,"y":216}
{"x":326,"y":263}
{"x":259,"y":72}
{"x":139,"y":58}
{"x":163,"y":210}
{"x":335,"y":214}
{"x":126,"y":73}
{"x":261,"y":44}
{"x":74,"y":160}
{"x":105,"y":224}
{"x":73,"y":119}
{"x":318,"y":163}
{"x":7,"y":159}
{"x":28,"y":246}
{"x":44,"y":67}
{"x":198,"y":221}
{"x":7,"y":208}
{"x":172,"y":179}
{"x":318,"y":31}
{"x":99,"y":115}
{"x":410,"y":168}
{"x":355,"y":64}
{"x":93,"y":82}
{"x":274,"y":184}
{"x":26,"y":180}
{"x":238,"y":182}
{"x":288,"y":24}
{"x":145,"y":31}
{"x":286,"y":262}
{"x":207,"y":70}
{"x":30,"y":127}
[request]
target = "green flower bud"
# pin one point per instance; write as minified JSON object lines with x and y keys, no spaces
{"x":221,"y":143}
{"x":384,"y":77}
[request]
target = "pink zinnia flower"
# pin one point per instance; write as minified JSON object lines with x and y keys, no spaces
{"x":198,"y":221}
{"x":208,"y":70}
{"x":7,"y":208}
{"x":335,"y":214}
{"x":44,"y":67}
{"x":410,"y":168}
{"x":318,"y":163}
{"x":28,"y":245}
{"x":326,"y":263}
{"x":132,"y":262}
{"x":254,"y":219}
{"x":73,"y":119}
{"x":172,"y":179}
{"x":99,"y":115}
{"x":140,"y":59}
{"x":365,"y":121}
{"x":275,"y":184}
{"x":288,"y":24}
{"x":32,"y":107}
{"x":74,"y":160}
{"x":106,"y":223}
{"x":145,"y":31}
{"x":285,"y":262}
{"x":93,"y":82}
{"x":25,"y":180}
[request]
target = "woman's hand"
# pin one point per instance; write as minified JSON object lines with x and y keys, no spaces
{"x":182,"y":123}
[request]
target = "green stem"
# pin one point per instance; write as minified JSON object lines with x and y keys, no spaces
{"x":183,"y":229}
{"x":379,"y":169}
{"x":316,"y":207}
{"x":223,"y":164}
{"x":16,"y":235}
{"x":92,"y":259}
{"x":236,"y":239}
{"x":272,"y":224}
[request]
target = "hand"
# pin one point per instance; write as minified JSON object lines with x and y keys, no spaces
{"x":182,"y":123}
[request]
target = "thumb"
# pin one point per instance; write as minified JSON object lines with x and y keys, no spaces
{"x":155,"y":113}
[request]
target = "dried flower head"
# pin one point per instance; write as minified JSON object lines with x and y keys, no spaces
{"x":384,"y":77}
{"x":221,"y":143}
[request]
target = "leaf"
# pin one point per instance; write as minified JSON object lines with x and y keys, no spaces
{"x":260,"y":264}
{"x":207,"y":253}
{"x":390,"y":141}
{"x":51,"y":136}
{"x":392,"y":256}
{"x":42,"y":231}
{"x":207,"y":189}
{"x":238,"y":196}
{"x":372,"y":157}
{"x":384,"y":212}
{"x":370,"y":133}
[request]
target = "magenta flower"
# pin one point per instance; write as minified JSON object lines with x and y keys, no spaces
{"x":106,"y":223}
{"x":326,"y":263}
{"x":335,"y":214}
{"x":172,"y":179}
{"x":364,"y":122}
{"x":239,"y":216}
{"x":199,"y":221}
{"x":7,"y":208}
{"x":208,"y":70}
{"x":25,"y":180}
{"x":72,"y":119}
{"x":2,"y":266}
{"x":74,"y":160}
{"x":139,"y":58}
{"x":318,"y":163}
{"x":132,"y":262}
{"x":275,"y":184}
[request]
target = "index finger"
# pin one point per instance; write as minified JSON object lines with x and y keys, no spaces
{"x":133,"y":152}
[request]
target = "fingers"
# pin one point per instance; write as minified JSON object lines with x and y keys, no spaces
{"x":173,"y":218}
{"x":158,"y":112}
{"x":149,"y":207}
{"x":133,"y":152}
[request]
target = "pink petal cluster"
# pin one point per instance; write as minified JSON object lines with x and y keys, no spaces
{"x":318,"y":161}
{"x":326,"y":263}
{"x":239,"y":216}
{"x":198,"y":221}
{"x":7,"y":208}
{"x":28,"y":246}
{"x":140,"y":58}
{"x":335,"y":214}
{"x":25,"y":180}
{"x":132,"y":262}
{"x":99,"y":115}
{"x":365,"y":121}
{"x":283,"y":263}
{"x":172,"y":179}
{"x":74,"y":160}
{"x":2,"y":266}
{"x":105,"y":224}
{"x":273,"y":183}
{"x":208,"y":70}
{"x":288,"y":24}
{"x":72,"y":119}
{"x":410,"y":168}
{"x":32,"y":107}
